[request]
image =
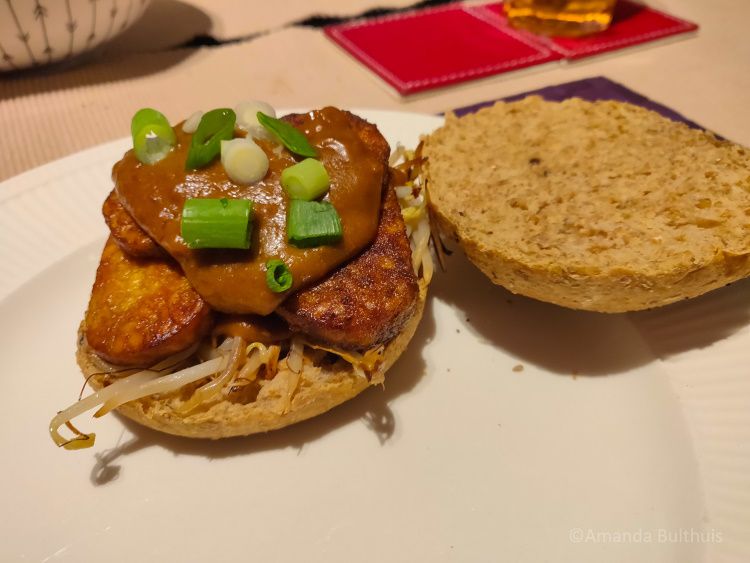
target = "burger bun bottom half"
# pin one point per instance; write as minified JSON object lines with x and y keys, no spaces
{"x":282,"y":401}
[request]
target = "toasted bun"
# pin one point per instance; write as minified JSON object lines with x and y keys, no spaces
{"x":600,"y":206}
{"x":317,"y":391}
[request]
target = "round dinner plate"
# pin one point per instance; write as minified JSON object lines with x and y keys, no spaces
{"x":510,"y":430}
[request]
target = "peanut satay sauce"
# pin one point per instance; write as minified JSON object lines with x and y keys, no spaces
{"x":252,"y":328}
{"x":234,"y":281}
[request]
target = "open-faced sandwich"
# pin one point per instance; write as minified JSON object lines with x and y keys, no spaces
{"x":261,"y":271}
{"x":258,"y":272}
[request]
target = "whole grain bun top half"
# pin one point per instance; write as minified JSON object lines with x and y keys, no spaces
{"x":601,"y":206}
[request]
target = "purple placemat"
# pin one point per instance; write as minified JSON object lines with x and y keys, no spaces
{"x":596,"y":88}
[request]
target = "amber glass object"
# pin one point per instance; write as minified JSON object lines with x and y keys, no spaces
{"x":561,"y":18}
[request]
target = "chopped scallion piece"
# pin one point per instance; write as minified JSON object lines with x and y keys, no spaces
{"x":215,"y":126}
{"x":291,"y":138}
{"x":305,"y":180}
{"x":190,"y":125}
{"x":217,"y":223}
{"x":278,"y":276}
{"x":312,"y":223}
{"x":243,"y":160}
{"x":146,"y":116}
{"x":247,"y":117}
{"x":153,"y":136}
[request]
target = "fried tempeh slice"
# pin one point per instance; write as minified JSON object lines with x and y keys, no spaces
{"x":142,"y":310}
{"x":126,"y":232}
{"x":366,"y":302}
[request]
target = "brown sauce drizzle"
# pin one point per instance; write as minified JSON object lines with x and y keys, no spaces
{"x":233,"y":281}
{"x":252,"y":328}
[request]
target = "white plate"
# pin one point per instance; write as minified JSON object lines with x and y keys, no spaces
{"x":584,"y":455}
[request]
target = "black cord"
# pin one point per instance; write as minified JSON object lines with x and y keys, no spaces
{"x":316,"y":21}
{"x":322,"y":21}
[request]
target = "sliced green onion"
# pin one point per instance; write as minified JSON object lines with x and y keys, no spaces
{"x":190,"y":125}
{"x":247,"y":116}
{"x":215,"y":126}
{"x":153,"y":136}
{"x":278,"y":276}
{"x":305,"y":180}
{"x":312,"y":223}
{"x":243,"y":160}
{"x":290,"y":137}
{"x":217,"y":223}
{"x":146,"y":116}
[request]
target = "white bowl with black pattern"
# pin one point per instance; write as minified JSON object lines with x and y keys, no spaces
{"x":38,"y":32}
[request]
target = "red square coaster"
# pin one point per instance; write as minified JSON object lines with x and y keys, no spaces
{"x":632,"y":24}
{"x":416,"y":51}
